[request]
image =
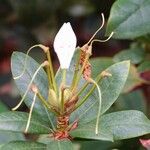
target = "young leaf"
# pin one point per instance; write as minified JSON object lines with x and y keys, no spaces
{"x":20,"y":145}
{"x":110,"y":87}
{"x":129,"y":19}
{"x":115,"y":126}
{"x":17,"y":67}
{"x":16,"y":122}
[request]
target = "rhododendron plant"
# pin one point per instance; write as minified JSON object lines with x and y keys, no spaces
{"x":72,"y":103}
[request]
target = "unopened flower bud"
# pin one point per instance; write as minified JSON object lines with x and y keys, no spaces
{"x":65,"y":44}
{"x":52,"y":98}
{"x":67,"y":94}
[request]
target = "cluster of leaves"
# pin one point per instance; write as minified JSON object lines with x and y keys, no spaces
{"x":124,"y":21}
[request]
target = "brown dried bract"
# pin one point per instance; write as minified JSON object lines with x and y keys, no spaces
{"x":87,"y":71}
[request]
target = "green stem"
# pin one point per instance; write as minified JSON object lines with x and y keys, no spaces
{"x":82,"y":89}
{"x":80,"y":72}
{"x":44,"y":102}
{"x":88,"y":94}
{"x":51,"y":71}
{"x":64,"y":71}
{"x":49,"y":77}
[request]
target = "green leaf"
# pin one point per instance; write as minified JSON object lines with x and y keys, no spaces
{"x":17,"y":66}
{"x":20,"y":145}
{"x":60,"y":145}
{"x":16,"y":122}
{"x":99,"y":64}
{"x":135,"y":54}
{"x":110,"y":87}
{"x":96,"y":145}
{"x":144,"y":66}
{"x":133,"y":80}
{"x":115,"y":126}
{"x":3,"y":108}
{"x":129,"y":19}
{"x":6,"y":136}
{"x":134,"y":100}
{"x":55,"y":144}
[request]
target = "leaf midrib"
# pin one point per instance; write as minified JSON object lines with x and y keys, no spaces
{"x":130,"y":15}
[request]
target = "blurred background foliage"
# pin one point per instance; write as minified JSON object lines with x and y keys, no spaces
{"x":24,"y":23}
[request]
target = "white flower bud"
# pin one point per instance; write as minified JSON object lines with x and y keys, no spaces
{"x":65,"y":44}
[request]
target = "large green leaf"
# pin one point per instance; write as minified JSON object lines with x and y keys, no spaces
{"x":19,"y":145}
{"x":7,"y":136}
{"x":60,"y":145}
{"x":3,"y":107}
{"x":134,"y":100}
{"x":99,"y":64}
{"x":110,"y":87}
{"x":55,"y":144}
{"x":135,"y":54}
{"x":16,"y":122}
{"x":133,"y":79}
{"x":115,"y":126}
{"x":129,"y":19}
{"x":17,"y":66}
